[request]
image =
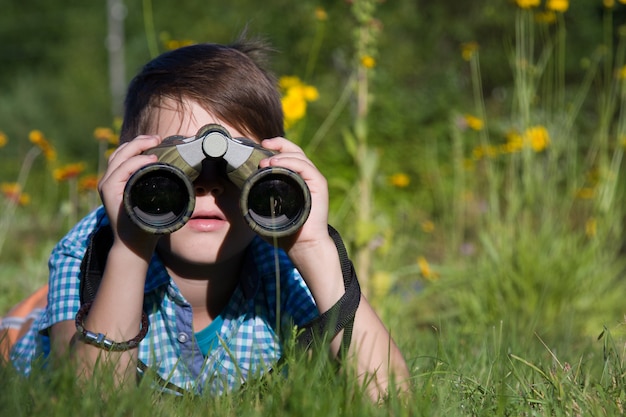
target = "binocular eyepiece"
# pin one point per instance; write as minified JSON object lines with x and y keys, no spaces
{"x":160,"y":197}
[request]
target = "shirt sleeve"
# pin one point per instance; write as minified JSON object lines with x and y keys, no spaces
{"x":296,"y":298}
{"x":64,"y":271}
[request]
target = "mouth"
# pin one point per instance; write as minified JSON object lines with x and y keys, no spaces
{"x":206,"y":221}
{"x":212,"y":213}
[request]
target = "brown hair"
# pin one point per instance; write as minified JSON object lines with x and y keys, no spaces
{"x":226,"y":80}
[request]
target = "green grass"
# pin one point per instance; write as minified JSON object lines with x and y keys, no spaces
{"x":486,"y":373}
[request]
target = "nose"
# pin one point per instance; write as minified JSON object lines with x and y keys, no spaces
{"x":210,"y":180}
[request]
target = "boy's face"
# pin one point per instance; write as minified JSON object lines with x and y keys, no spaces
{"x":216,"y":231}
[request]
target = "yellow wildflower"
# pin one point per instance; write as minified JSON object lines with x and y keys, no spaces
{"x":68,"y":171}
{"x":608,"y":3}
{"x":474,"y":122}
{"x":37,"y":138}
{"x":3,"y":139}
{"x":591,"y":227}
{"x":287,"y":81}
{"x":105,"y":134}
{"x":400,"y":180}
{"x":295,"y":98}
{"x":426,"y":270}
{"x":368,"y":61}
{"x":320,"y":14}
{"x":559,"y":6}
{"x":585,"y":193}
{"x":310,"y":93}
{"x":13,"y":191}
{"x":88,"y":183}
{"x":548,"y":17}
{"x":468,"y":49}
{"x":294,"y":108}
{"x":514,"y":142}
{"x":527,"y":4}
{"x":172,"y":44}
{"x":537,"y":137}
{"x":428,"y":226}
{"x":483,"y":151}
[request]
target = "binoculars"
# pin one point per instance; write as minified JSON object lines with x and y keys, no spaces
{"x":160,"y":197}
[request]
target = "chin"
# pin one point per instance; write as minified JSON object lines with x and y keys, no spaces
{"x":207,"y":248}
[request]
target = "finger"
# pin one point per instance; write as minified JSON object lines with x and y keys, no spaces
{"x":281,"y":145}
{"x":134,"y":147}
{"x":128,"y":150}
{"x":302,"y":166}
{"x":122,"y":172}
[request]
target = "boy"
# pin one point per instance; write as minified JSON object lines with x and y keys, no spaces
{"x":208,"y":290}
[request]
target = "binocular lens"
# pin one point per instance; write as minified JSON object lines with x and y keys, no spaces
{"x":277,"y":202}
{"x":159,"y":198}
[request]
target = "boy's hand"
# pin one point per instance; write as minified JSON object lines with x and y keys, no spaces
{"x":292,"y":157}
{"x":123,"y":162}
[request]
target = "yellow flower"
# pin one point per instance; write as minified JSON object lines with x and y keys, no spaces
{"x":468,"y":49}
{"x":591,"y":227}
{"x":400,"y":180}
{"x":527,"y":4}
{"x":311,"y":93}
{"x":514,"y":142}
{"x":559,"y":6}
{"x":3,"y":139}
{"x":483,"y":151}
{"x":106,"y":134}
{"x":287,"y":81}
{"x":13,"y":191}
{"x":320,"y":14}
{"x":293,"y":86}
{"x":585,"y":193}
{"x":88,"y":183}
{"x":621,"y":73}
{"x":547,"y":17}
{"x":608,"y":3}
{"x":368,"y":61}
{"x":37,"y":138}
{"x":294,"y":108}
{"x":474,"y":122}
{"x":68,"y":171}
{"x":537,"y":137}
{"x":296,"y":94}
{"x":426,"y":270}
{"x":428,"y":226}
{"x":172,"y":44}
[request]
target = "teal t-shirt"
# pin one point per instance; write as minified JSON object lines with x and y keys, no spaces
{"x":207,"y":338}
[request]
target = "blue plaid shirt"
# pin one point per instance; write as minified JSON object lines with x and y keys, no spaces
{"x":249,"y":338}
